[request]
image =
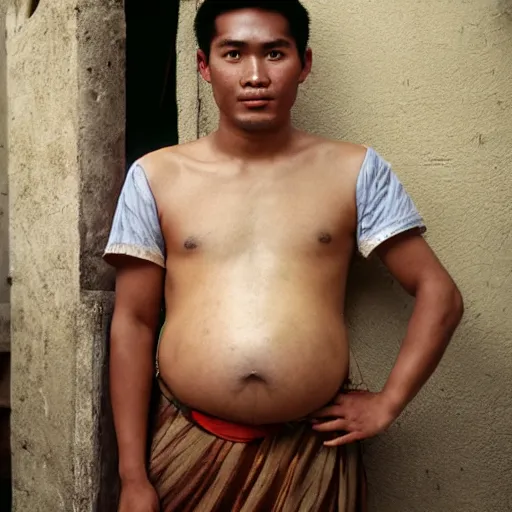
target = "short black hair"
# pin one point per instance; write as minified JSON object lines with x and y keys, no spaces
{"x":296,"y":14}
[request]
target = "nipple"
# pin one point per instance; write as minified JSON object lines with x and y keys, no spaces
{"x":190,"y":243}
{"x":325,"y":238}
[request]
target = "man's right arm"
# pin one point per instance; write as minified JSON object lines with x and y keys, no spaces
{"x":139,"y":289}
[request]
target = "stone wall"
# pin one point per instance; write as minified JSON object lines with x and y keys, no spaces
{"x":5,"y":452}
{"x":427,"y":83}
{"x":4,"y":199}
{"x":66,"y":166}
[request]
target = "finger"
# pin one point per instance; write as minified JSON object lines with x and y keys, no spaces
{"x":346,"y":439}
{"x":330,"y":411}
{"x":328,"y":426}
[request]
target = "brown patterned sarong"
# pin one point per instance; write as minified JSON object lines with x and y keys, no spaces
{"x":288,"y":471}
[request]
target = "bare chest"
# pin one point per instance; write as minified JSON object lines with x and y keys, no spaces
{"x":301,"y":213}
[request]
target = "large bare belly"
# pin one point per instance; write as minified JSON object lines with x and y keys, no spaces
{"x":257,"y":357}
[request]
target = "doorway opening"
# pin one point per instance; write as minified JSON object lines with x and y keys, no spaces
{"x":151,"y":112}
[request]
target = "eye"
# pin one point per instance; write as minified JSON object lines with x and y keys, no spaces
{"x":275,"y":55}
{"x":233,"y":54}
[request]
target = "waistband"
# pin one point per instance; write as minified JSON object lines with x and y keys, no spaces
{"x":227,"y":430}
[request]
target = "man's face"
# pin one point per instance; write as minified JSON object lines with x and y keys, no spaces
{"x":254,"y":69}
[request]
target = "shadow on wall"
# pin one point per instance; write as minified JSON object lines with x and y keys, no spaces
{"x":26,"y":8}
{"x":32,"y":6}
{"x":370,"y":288}
{"x":505,"y":8}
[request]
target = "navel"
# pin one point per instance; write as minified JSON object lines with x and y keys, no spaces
{"x":325,"y":238}
{"x":191,"y":243}
{"x":254,"y":377}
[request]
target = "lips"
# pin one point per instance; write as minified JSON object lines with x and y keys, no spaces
{"x":255,"y":101}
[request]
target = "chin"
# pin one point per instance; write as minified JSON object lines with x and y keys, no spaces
{"x":258,"y":125}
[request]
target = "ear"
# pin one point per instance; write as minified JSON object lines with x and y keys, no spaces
{"x":308,"y":63}
{"x":203,"y":66}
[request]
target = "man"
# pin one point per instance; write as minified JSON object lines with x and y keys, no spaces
{"x":248,"y":234}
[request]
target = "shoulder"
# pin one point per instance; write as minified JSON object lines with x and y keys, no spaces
{"x":349,"y":156}
{"x":165,"y":163}
{"x":341,"y":158}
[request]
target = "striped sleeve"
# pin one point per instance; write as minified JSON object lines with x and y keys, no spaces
{"x":384,"y":209}
{"x":136,"y":228}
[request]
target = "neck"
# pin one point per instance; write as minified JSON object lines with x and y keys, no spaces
{"x":238,"y":143}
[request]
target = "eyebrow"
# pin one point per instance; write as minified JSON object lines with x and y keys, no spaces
{"x":233,"y":43}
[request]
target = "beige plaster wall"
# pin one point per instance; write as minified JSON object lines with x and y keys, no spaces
{"x":66,"y":164}
{"x":5,"y":451}
{"x":42,"y":171}
{"x":4,"y":199}
{"x":428,"y":84}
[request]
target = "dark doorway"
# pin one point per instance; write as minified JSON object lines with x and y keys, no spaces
{"x":151,"y":115}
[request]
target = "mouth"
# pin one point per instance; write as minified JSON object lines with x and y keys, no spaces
{"x":256,"y":102}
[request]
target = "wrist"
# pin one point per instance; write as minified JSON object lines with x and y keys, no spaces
{"x":132,"y":474}
{"x":393,"y":402}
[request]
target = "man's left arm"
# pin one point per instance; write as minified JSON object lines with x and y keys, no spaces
{"x":437,"y":312}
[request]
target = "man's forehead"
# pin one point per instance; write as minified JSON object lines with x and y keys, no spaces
{"x":251,"y":26}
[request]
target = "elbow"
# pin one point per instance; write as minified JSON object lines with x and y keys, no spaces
{"x":443,"y":296}
{"x":456,"y":305}
{"x":453,"y":305}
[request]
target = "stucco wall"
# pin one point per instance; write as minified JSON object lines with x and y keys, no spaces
{"x":4,"y":199}
{"x":428,"y":84}
{"x":43,"y":171}
{"x":5,"y":451}
{"x":66,"y":164}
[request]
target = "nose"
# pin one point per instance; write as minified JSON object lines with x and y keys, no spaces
{"x":255,"y":74}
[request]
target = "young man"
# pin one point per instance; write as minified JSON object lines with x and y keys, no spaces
{"x":248,"y":234}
